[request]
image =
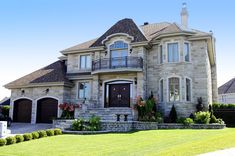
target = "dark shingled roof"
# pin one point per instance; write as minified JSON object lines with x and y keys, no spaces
{"x":123,"y":26}
{"x":55,"y":72}
{"x":228,"y":87}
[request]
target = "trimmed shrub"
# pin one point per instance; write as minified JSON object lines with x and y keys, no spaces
{"x":188,"y":121}
{"x":2,"y":142}
{"x":202,"y":117}
{"x":180,"y":120}
{"x":173,"y":115}
{"x":19,"y":138}
{"x":220,"y":121}
{"x":35,"y":135}
{"x":10,"y":140}
{"x":57,"y":131}
{"x":50,"y":132}
{"x":42,"y":134}
{"x":213,"y":119}
{"x":78,"y":125}
{"x":94,"y":123}
{"x":5,"y":110}
{"x":27,"y":136}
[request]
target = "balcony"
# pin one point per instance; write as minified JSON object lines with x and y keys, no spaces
{"x":127,"y":63}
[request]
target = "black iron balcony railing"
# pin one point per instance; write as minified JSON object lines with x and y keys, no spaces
{"x":118,"y":62}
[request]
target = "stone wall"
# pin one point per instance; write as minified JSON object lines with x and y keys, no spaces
{"x":135,"y":125}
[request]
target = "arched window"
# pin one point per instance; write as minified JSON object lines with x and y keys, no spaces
{"x":174,"y":89}
{"x":118,"y":53}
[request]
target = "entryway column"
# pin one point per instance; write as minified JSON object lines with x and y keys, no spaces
{"x":140,"y":85}
{"x":96,"y":91}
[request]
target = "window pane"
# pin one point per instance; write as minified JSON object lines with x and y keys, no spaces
{"x":186,"y":52}
{"x":173,"y":54}
{"x":174,"y":90}
{"x":81,"y":90}
{"x":86,"y":90}
{"x":188,"y":90}
{"x":88,"y":62}
{"x":82,"y":62}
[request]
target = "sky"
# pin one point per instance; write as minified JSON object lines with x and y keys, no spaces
{"x":32,"y":33}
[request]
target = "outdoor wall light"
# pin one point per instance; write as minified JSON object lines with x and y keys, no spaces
{"x":47,"y":90}
{"x":22,"y":92}
{"x":130,"y":50}
{"x":100,"y":82}
{"x":135,"y":80}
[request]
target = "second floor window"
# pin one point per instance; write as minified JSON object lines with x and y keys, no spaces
{"x":83,"y":90}
{"x":174,"y":89}
{"x":118,"y":52}
{"x":85,"y":62}
{"x":186,"y":52}
{"x":172,"y":52}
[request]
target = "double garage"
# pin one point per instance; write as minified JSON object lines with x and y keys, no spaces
{"x":46,"y":110}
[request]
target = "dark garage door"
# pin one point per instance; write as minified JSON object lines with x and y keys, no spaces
{"x":22,"y":110}
{"x":46,"y":110}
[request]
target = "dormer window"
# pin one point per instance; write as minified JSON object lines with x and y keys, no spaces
{"x":118,"y":53}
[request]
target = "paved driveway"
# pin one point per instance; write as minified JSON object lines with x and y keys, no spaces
{"x":20,"y":128}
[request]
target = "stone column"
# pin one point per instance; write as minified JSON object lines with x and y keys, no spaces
{"x":96,"y":91}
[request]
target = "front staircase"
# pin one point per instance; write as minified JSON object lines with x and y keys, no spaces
{"x":107,"y":114}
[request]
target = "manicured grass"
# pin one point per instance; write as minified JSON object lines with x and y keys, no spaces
{"x":154,"y":142}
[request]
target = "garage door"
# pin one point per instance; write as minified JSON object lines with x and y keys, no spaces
{"x":22,"y":110}
{"x":46,"y":110}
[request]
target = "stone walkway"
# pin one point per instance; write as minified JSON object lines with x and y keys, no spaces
{"x":20,"y":128}
{"x":226,"y":152}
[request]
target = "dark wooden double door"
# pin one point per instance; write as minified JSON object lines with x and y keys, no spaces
{"x":119,"y":95}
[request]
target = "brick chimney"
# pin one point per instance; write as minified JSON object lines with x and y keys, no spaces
{"x":184,"y":16}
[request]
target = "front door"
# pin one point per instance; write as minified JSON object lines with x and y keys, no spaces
{"x":119,"y":95}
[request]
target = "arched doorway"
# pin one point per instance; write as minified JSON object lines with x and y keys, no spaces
{"x":46,"y":110}
{"x":22,"y":110}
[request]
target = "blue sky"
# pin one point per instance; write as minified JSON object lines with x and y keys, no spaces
{"x":33,"y":32}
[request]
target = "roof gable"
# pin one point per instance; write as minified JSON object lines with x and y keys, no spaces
{"x":126,"y":26}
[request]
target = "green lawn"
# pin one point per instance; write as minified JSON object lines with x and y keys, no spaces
{"x":154,"y":142}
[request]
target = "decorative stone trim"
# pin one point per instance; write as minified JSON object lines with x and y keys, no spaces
{"x":114,"y":126}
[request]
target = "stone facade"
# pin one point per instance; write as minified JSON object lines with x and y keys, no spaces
{"x":143,"y":68}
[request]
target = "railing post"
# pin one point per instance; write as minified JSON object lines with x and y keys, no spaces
{"x":126,"y":61}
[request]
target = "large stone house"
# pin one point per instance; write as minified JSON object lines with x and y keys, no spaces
{"x":105,"y":75}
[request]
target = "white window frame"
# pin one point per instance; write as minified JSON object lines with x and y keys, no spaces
{"x":189,"y":47}
{"x":180,"y":88}
{"x":191,"y":87}
{"x":161,"y":90}
{"x":80,"y":62}
{"x":166,"y":45}
{"x":78,"y":89}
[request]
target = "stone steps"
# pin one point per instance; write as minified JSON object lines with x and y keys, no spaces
{"x":107,"y":114}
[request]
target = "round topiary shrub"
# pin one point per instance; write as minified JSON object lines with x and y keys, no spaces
{"x":27,"y":136}
{"x":10,"y":140}
{"x":57,"y":131}
{"x":19,"y":138}
{"x":188,"y":121}
{"x":42,"y":134}
{"x":35,"y":135}
{"x":50,"y":132}
{"x":2,"y":142}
